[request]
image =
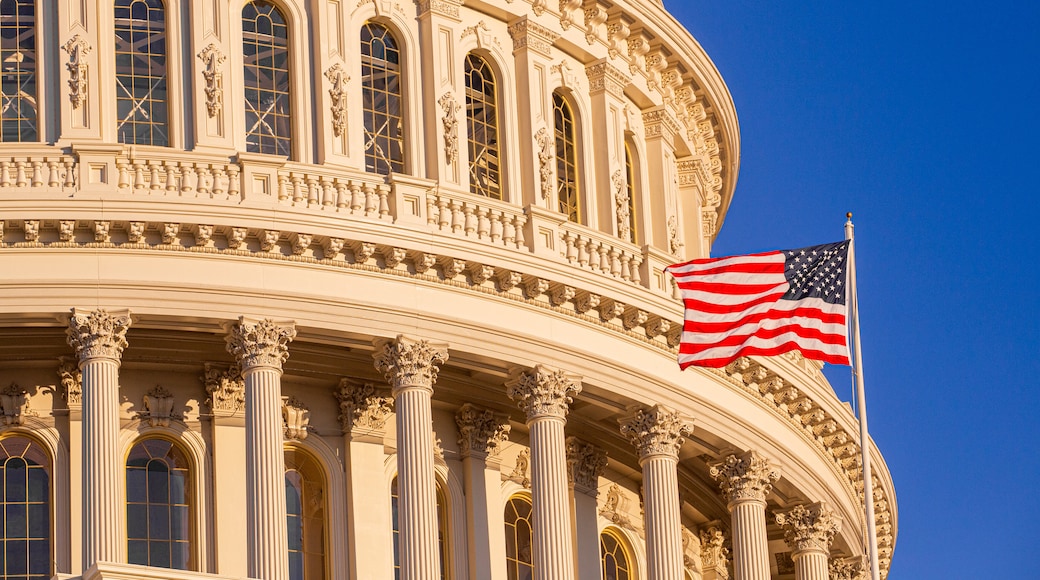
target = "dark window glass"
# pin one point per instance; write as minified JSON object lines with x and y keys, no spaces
{"x":381,"y":100}
{"x":141,"y":72}
{"x":157,"y":508}
{"x":18,"y":65}
{"x":519,"y":562}
{"x":25,"y":478}
{"x":614,"y":558}
{"x":305,"y":515}
{"x":482,"y":125}
{"x":630,"y":189}
{"x":566,"y":159}
{"x":265,"y":52}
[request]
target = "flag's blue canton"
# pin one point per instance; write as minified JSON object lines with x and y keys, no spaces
{"x":817,"y":272}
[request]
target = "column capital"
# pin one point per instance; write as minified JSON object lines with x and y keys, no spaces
{"x":714,"y":551}
{"x":409,"y":362}
{"x":747,"y":476}
{"x":543,"y":391}
{"x":656,"y":430}
{"x":481,"y":431}
{"x":98,"y":333}
{"x":585,"y":463}
{"x":361,"y":407}
{"x":848,"y":568}
{"x":260,"y":343}
{"x":809,"y":528}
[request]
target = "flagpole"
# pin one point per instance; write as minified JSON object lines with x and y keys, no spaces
{"x":861,"y":404}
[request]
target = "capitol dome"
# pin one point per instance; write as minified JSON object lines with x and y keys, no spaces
{"x":374,"y":289}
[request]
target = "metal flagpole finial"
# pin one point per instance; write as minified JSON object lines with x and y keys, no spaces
{"x":848,"y":226}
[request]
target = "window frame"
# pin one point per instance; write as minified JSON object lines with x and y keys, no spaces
{"x":495,"y":103}
{"x":169,"y":71}
{"x":575,"y":213}
{"x":192,"y":495}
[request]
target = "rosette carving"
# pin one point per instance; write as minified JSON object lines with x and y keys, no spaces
{"x":585,"y":463}
{"x":809,"y":528}
{"x":656,"y":431}
{"x":98,"y":333}
{"x":745,"y":477}
{"x":263,"y":343}
{"x":481,"y":431}
{"x":543,"y":391}
{"x":361,"y":406}
{"x":409,"y":362}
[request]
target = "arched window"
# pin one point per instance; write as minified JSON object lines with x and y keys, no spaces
{"x":141,"y":111}
{"x":630,"y":190}
{"x":442,"y":530}
{"x":305,"y":515}
{"x":614,"y":557}
{"x":519,"y":559}
{"x":482,"y":124}
{"x":26,"y":480}
{"x":566,"y":159}
{"x":381,"y":100}
{"x":265,"y":52}
{"x":18,"y":66}
{"x":158,"y":514}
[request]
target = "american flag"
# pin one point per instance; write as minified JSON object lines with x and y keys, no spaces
{"x":765,"y":304}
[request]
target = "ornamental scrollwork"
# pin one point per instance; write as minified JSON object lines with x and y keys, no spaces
{"x":338,"y":78}
{"x":545,"y":158}
{"x":714,"y":551}
{"x":71,"y":379}
{"x":621,"y":203}
{"x":226,"y":388}
{"x":212,"y":59}
{"x":360,"y":406}
{"x":409,"y":362}
{"x":585,"y":463}
{"x":450,"y":122}
{"x":481,"y":431}
{"x":748,"y":476}
{"x":656,"y":431}
{"x":77,"y":48}
{"x":263,"y":343}
{"x":98,"y":333}
{"x":543,"y":391}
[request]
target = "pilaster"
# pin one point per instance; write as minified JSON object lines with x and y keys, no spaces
{"x":714,"y":553}
{"x":585,"y":463}
{"x":745,"y":481}
{"x":226,"y":390}
{"x":809,"y":531}
{"x":607,"y":93}
{"x":661,"y":132}
{"x":481,"y":433}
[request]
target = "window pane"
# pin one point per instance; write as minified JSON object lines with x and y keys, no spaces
{"x":137,"y":552}
{"x":305,"y":499}
{"x":381,"y":100}
{"x":265,"y":40}
{"x":18,"y":86}
{"x":158,"y":525}
{"x":140,"y":42}
{"x":482,"y":127}
{"x":17,"y":557}
{"x":566,"y":159}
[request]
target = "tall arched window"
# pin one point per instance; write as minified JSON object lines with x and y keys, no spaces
{"x":482,"y":125}
{"x":26,"y":480}
{"x":519,"y":557}
{"x":265,"y":53}
{"x":566,"y":159}
{"x":158,"y":515}
{"x":381,"y":100}
{"x":141,"y":100}
{"x":442,"y":530}
{"x":614,"y":557}
{"x":18,"y":67}
{"x":305,"y":513}
{"x":630,"y":189}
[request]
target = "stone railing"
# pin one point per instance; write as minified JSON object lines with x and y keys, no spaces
{"x":476,"y":218}
{"x":601,"y":253}
{"x":52,"y":170}
{"x":180,"y":176}
{"x":313,"y":186}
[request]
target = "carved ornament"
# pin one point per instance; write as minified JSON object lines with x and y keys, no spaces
{"x":585,"y":463}
{"x":338,"y":80}
{"x":450,"y":122}
{"x":520,"y":470}
{"x":98,"y":333}
{"x":212,"y":60}
{"x":543,"y":391}
{"x":748,"y":476}
{"x":545,"y":143}
{"x":260,"y":344}
{"x":226,"y":388}
{"x":481,"y":431}
{"x":527,"y":33}
{"x":296,"y":418}
{"x":77,"y":48}
{"x":157,"y":407}
{"x":621,"y":204}
{"x":71,"y":379}
{"x":656,"y":431}
{"x":409,"y":362}
{"x":809,"y":528}
{"x":360,"y":406}
{"x":714,"y":551}
{"x":14,"y":406}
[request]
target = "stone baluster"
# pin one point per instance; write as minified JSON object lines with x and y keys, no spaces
{"x":261,"y":347}
{"x":809,"y":530}
{"x":545,"y":395}
{"x":657,"y":434}
{"x":746,"y":480}
{"x":481,"y":433}
{"x":98,"y":338}
{"x":410,"y":366}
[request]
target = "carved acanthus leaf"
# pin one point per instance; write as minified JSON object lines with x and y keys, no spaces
{"x":748,"y":476}
{"x":481,"y":431}
{"x":409,"y":362}
{"x":656,"y":431}
{"x":98,"y":333}
{"x":361,"y":406}
{"x":260,"y":343}
{"x":543,"y":391}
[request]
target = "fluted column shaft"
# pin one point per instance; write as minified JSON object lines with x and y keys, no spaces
{"x":746,"y":480}
{"x":99,"y":339}
{"x":809,"y":531}
{"x":545,"y":395}
{"x":811,"y":566}
{"x":261,"y":348}
{"x":658,"y":433}
{"x":411,"y":368}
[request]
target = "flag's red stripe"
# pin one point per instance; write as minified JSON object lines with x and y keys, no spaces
{"x":702,"y":306}
{"x":729,"y":288}
{"x":751,"y":351}
{"x":739,"y":268}
{"x":763,"y":333}
{"x":715,"y":327}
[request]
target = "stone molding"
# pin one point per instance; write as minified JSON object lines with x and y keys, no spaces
{"x":585,"y":463}
{"x":747,"y":477}
{"x":98,"y":333}
{"x":543,"y":391}
{"x":656,"y":431}
{"x":481,"y":431}
{"x":409,"y":362}
{"x":360,"y":406}
{"x":260,"y":343}
{"x":809,"y":528}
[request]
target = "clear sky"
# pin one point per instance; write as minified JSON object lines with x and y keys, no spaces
{"x":922,"y":119}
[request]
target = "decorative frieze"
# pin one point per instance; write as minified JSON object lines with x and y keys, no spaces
{"x":604,"y":76}
{"x":98,"y":333}
{"x":585,"y":463}
{"x":260,"y":343}
{"x":225,"y":387}
{"x":212,"y":61}
{"x":809,"y":528}
{"x":481,"y":431}
{"x":361,"y":406}
{"x":748,"y":476}
{"x":657,"y":430}
{"x":543,"y":391}
{"x":409,"y":362}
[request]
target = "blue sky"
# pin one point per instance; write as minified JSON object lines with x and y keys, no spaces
{"x":922,"y":119}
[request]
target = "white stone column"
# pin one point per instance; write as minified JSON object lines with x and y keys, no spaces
{"x":261,"y":347}
{"x":585,"y":463}
{"x":99,"y":338}
{"x":809,"y":531}
{"x":481,"y":431}
{"x":657,"y":434}
{"x":545,"y":395}
{"x":746,"y":480}
{"x":411,"y":367}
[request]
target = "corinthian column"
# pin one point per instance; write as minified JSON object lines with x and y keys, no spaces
{"x":657,"y":434}
{"x":411,"y":366}
{"x":746,"y":480}
{"x":99,"y":338}
{"x":809,"y":530}
{"x":261,"y":347}
{"x":545,"y":395}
